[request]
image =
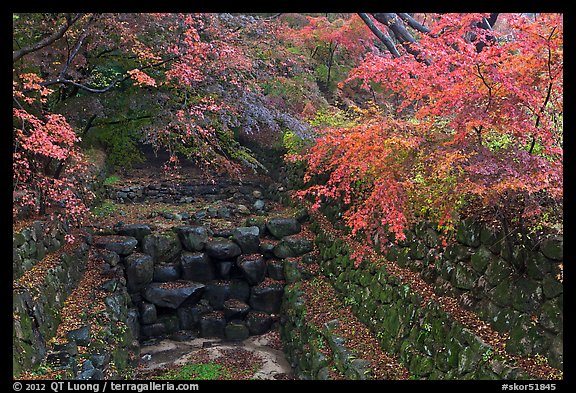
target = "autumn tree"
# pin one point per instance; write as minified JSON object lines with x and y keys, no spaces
{"x":484,"y":138}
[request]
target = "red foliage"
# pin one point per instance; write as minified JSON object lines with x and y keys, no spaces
{"x":487,"y":125}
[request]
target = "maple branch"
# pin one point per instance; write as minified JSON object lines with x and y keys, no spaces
{"x":77,"y":47}
{"x":59,"y":33}
{"x":393,"y":22}
{"x":386,"y":40}
{"x":413,"y":23}
{"x":485,"y":84}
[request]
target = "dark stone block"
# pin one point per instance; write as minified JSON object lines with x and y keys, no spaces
{"x":281,"y":227}
{"x":189,"y":316}
{"x":248,"y":238}
{"x":174,"y":294}
{"x":121,"y":245}
{"x":212,"y":324}
{"x":553,"y":248}
{"x":266,"y":298}
{"x":168,"y":272}
{"x":153,"y":330}
{"x":162,"y":247}
{"x":223,"y":249}
{"x":275,"y":269}
{"x":258,"y":322}
{"x":239,"y":289}
{"x":80,"y":336}
{"x":235,"y":309}
{"x":293,"y":246}
{"x":197,"y":266}
{"x":253,"y":268}
{"x":224,"y":269}
{"x":137,"y":231}
{"x":147,"y":313}
{"x":139,"y":271}
{"x":217,"y":292}
{"x":193,"y":238}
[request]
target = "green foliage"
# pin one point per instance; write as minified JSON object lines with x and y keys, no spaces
{"x":120,"y":142}
{"x":208,"y":371}
{"x":292,"y":143}
{"x":111,"y":180}
{"x":106,"y":208}
{"x":332,"y":118}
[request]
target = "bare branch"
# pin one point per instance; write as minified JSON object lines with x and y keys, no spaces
{"x":59,"y":33}
{"x":380,"y":34}
{"x":413,"y":23}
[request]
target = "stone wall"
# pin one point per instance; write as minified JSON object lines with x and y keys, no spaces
{"x":518,"y":290}
{"x":428,"y":341}
{"x":36,"y":309}
{"x":200,"y":282}
{"x":32,"y":243}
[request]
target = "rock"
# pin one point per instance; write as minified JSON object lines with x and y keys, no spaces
{"x":224,"y":269}
{"x":248,"y":238}
{"x":551,"y":287}
{"x":242,"y":209}
{"x":259,"y":205}
{"x":235,"y":309}
{"x":267,"y":249}
{"x":139,"y":271}
{"x":137,"y":231}
{"x":189,"y":316}
{"x":193,"y":238}
{"x":217,"y":292}
{"x":293,"y":246}
{"x":468,"y":233}
{"x":464,"y":277}
{"x":239,"y":289}
{"x":162,"y":247}
{"x":212,"y":324}
{"x":166,"y":272}
{"x":224,"y":212}
{"x":80,"y":336}
{"x":236,"y":331}
{"x":258,"y":322}
{"x":121,"y":245}
{"x":174,"y":294}
{"x":481,"y":259}
{"x":253,"y":268}
{"x":147,"y":312}
{"x":257,"y":194}
{"x":266,"y":298}
{"x":275,"y":269}
{"x":153,"y":330}
{"x":553,"y":248}
{"x":497,"y":271}
{"x":223,"y":249}
{"x":197,"y":266}
{"x":259,"y":222}
{"x":281,"y":227}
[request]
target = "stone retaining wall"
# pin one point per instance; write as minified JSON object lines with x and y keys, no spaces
{"x":518,"y":290}
{"x":36,"y":310}
{"x":192,"y":280}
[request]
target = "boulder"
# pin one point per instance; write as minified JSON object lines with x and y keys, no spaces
{"x":253,"y":268}
{"x":137,"y":231}
{"x":166,"y":272}
{"x":267,"y":298}
{"x":80,"y":336}
{"x":258,"y":322}
{"x":193,"y":238}
{"x":216,"y":293}
{"x":139,"y":271}
{"x":189,"y":316}
{"x":248,"y":238}
{"x":239,"y":289}
{"x":293,"y":246}
{"x":162,"y":247}
{"x":174,"y":294}
{"x":147,"y":313}
{"x":275,"y":269}
{"x":153,"y":330}
{"x":235,"y":309}
{"x":281,"y":227}
{"x":197,"y":266}
{"x":121,"y":245}
{"x":223,"y":249}
{"x":553,"y":247}
{"x":224,"y":269}
{"x":212,"y":324}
